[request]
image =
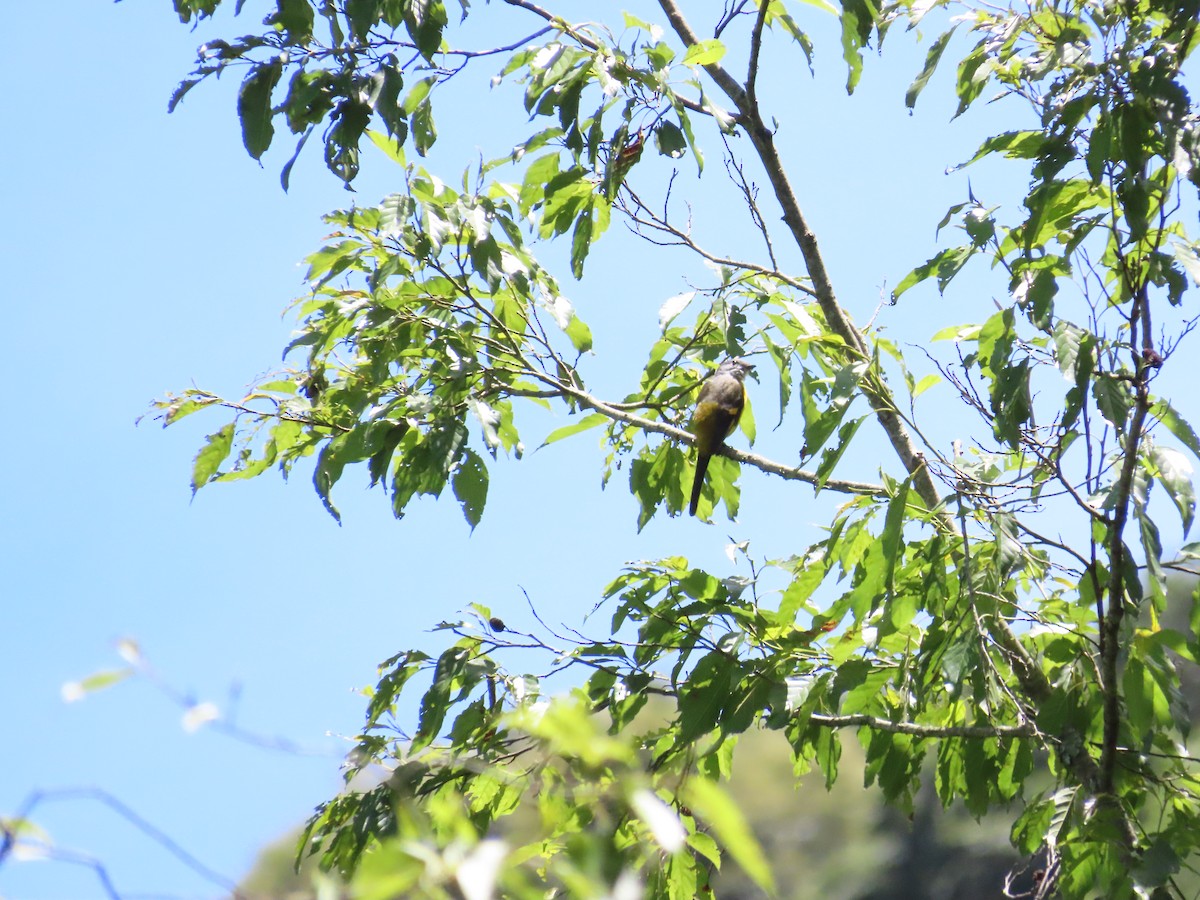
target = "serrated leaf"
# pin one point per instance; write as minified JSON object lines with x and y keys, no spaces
{"x":212,"y":454}
{"x":1188,"y":258}
{"x":1113,"y":399}
{"x":1175,"y":475}
{"x":1067,"y":341}
{"x":470,"y":484}
{"x":180,"y":92}
{"x":1177,"y":425}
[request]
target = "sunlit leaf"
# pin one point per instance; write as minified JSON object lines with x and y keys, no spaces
{"x":704,"y":53}
{"x":729,"y":825}
{"x":208,"y":460}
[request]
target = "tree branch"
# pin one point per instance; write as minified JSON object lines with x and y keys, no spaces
{"x":1033,"y":681}
{"x":875,"y":723}
{"x":752,"y":459}
{"x":158,"y":836}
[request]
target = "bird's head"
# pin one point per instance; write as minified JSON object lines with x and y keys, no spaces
{"x":735,"y":366}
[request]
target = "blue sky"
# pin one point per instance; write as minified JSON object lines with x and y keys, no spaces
{"x":145,"y":253}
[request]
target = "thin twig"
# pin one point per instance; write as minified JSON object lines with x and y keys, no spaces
{"x":37,"y":798}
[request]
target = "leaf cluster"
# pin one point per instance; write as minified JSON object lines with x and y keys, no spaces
{"x":937,"y":619}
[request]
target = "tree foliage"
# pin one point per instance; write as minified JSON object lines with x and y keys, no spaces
{"x":936,"y":620}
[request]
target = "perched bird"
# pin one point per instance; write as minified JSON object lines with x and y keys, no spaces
{"x":718,"y":409}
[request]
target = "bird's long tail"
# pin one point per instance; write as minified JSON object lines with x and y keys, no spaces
{"x":698,"y":482}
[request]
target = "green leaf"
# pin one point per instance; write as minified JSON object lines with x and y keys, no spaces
{"x":424,"y":132}
{"x":285,"y":174}
{"x":325,"y":476}
{"x":254,"y":107}
{"x":211,"y":455}
{"x":296,"y":18}
{"x":1056,"y":207}
{"x":945,"y":265}
{"x":586,"y":423}
{"x":417,"y":94}
{"x":201,"y":9}
{"x":1012,"y":144}
{"x":179,"y":407}
{"x":1188,"y":258}
{"x":702,"y":842}
{"x":701,"y":700}
{"x":958,"y":333}
{"x":341,"y":142}
{"x":925,"y":384}
{"x":1145,"y":705}
{"x":581,"y":241}
{"x":470,"y":485}
{"x":892,"y":539}
{"x":973,"y":74}
{"x":425,"y":20}
{"x":670,"y":140}
{"x":1099,"y":150}
{"x":1156,"y":865}
{"x":726,"y":821}
{"x":831,"y":456}
{"x":451,"y":679}
{"x":1113,"y":398}
{"x":393,"y":147}
{"x":932,"y":58}
{"x":180,"y":91}
{"x":362,"y":14}
{"x":1012,"y":401}
{"x":387,"y":103}
{"x":1174,"y":473}
{"x":566,"y":195}
{"x":704,"y":53}
{"x":97,"y":681}
{"x":858,"y":20}
{"x":1177,"y":425}
{"x":819,"y":423}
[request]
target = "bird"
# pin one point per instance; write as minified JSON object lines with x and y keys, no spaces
{"x":718,"y":409}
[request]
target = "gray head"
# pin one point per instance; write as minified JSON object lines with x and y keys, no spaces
{"x":735,"y":366}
